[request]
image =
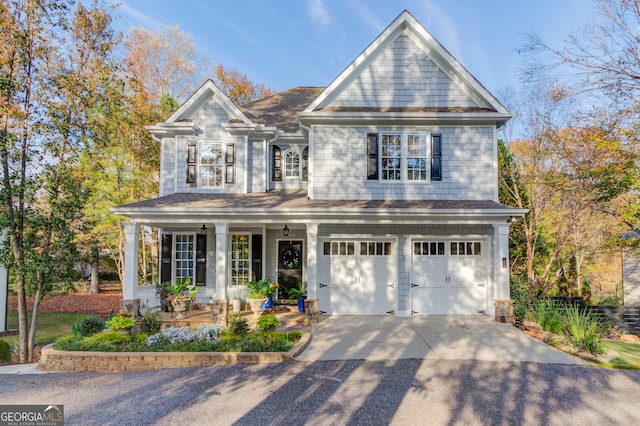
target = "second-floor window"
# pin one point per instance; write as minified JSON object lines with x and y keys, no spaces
{"x":403,"y":157}
{"x":211,"y":164}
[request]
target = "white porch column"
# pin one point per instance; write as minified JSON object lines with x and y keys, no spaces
{"x":222,"y":243}
{"x":4,"y":289}
{"x":501,"y":238}
{"x":131,"y":235}
{"x":312,"y":260}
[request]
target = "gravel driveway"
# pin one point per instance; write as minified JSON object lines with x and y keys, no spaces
{"x":400,"y":392}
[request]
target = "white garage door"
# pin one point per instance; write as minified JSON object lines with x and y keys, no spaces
{"x":357,"y":277}
{"x":449,"y":277}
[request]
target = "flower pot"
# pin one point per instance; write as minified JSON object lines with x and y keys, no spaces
{"x":237,"y":305}
{"x":268,"y":304}
{"x":301,"y":305}
{"x":256,"y":305}
{"x":180,"y":307}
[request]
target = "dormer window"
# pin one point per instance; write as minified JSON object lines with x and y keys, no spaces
{"x":291,"y":164}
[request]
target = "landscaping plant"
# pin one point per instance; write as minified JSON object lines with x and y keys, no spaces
{"x":548,"y":314}
{"x":88,"y":326}
{"x":238,"y":326}
{"x":5,"y":351}
{"x":268,"y":322}
{"x":149,"y":324}
{"x":120,"y":322}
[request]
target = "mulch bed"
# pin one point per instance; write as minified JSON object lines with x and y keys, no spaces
{"x":79,"y":303}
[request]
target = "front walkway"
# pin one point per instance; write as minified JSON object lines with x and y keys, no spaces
{"x":461,"y":337}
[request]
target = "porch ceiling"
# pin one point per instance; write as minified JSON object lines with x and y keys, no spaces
{"x":295,"y":206}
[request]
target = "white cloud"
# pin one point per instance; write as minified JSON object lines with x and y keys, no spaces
{"x":319,"y":13}
{"x":143,"y":18}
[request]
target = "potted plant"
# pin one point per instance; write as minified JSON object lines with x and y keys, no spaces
{"x":181,"y":294}
{"x":299,"y":293}
{"x":261,"y":295}
{"x":162,"y":291}
{"x":122,"y":323}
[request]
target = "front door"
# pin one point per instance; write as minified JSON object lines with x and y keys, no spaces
{"x":289,"y":266}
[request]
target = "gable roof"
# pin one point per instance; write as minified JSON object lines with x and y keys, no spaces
{"x":281,"y":110}
{"x":427,"y":54}
{"x":200,"y":97}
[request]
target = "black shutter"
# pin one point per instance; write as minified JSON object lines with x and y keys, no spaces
{"x":165,"y":258}
{"x":372,"y":156}
{"x":201,"y":259}
{"x":436,"y":157}
{"x":277,"y":164}
{"x":305,"y":164}
{"x":229,"y":164}
{"x":191,"y":164}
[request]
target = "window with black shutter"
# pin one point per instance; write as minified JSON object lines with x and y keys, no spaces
{"x":305,"y":164}
{"x":436,"y":157}
{"x":165,"y":258}
{"x":277,"y":164}
{"x":372,"y":156}
{"x":191,"y":164}
{"x":230,"y":164}
{"x":201,"y":260}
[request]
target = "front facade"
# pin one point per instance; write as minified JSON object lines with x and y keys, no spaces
{"x":380,"y":190}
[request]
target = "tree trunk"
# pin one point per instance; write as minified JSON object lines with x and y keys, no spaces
{"x":34,"y":322}
{"x":95,"y":278}
{"x":23,"y":324}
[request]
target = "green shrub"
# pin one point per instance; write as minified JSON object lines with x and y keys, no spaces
{"x":150,"y":324}
{"x":585,"y":328}
{"x":548,"y":314}
{"x":120,"y":322}
{"x":238,"y":326}
{"x":269,"y":341}
{"x":88,"y":326}
{"x":5,"y":351}
{"x":521,"y":297}
{"x":268,"y":322}
{"x":103,"y":340}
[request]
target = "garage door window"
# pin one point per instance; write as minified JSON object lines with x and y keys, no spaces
{"x":466,"y":248}
{"x":428,"y":248}
{"x":339,"y":248}
{"x":375,"y":248}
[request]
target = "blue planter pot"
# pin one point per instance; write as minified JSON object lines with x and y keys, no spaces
{"x":301,"y":305}
{"x":268,"y":304}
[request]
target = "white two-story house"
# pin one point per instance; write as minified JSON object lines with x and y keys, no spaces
{"x":379,"y":190}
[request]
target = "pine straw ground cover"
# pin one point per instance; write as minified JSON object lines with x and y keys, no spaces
{"x":56,"y":315}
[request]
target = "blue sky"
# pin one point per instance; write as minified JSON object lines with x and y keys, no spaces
{"x":288,"y":43}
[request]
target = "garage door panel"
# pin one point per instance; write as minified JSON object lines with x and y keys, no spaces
{"x":360,"y":277}
{"x":449,"y":281}
{"x":466,"y":300}
{"x":429,"y":301}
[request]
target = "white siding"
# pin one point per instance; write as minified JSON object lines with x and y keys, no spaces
{"x":340,"y":168}
{"x":255,"y":166}
{"x":403,"y":76}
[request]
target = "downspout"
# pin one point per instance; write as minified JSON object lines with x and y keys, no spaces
{"x":266,"y":159}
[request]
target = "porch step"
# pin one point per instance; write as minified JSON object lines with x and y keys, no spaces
{"x":287,"y":316}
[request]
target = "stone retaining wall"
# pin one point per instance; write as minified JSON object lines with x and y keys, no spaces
{"x":55,"y":360}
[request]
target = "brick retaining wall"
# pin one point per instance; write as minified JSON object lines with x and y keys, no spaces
{"x":55,"y":360}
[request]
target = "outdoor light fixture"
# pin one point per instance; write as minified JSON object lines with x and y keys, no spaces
{"x":203,"y":230}
{"x":512,"y":219}
{"x":285,"y":231}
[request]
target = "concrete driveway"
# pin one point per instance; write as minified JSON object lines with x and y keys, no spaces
{"x":451,"y":337}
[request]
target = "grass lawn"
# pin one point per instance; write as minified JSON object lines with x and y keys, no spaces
{"x":51,"y":325}
{"x":628,"y":355}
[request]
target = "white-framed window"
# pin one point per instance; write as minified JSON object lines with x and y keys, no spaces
{"x":184,"y":252}
{"x":403,"y":157}
{"x":291,"y":164}
{"x":240,"y":254}
{"x":211,"y":164}
{"x":466,"y":248}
